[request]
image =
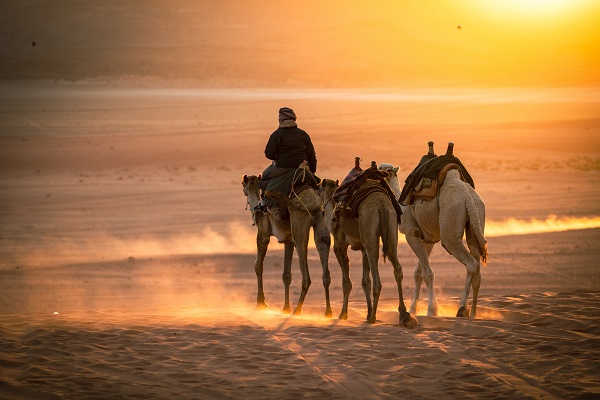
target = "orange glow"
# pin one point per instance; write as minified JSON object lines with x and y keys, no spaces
{"x":537,"y":8}
{"x":432,"y":44}
{"x":241,"y":239}
{"x":553,"y":223}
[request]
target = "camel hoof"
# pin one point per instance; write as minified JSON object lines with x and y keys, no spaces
{"x":328,"y":314}
{"x":297,"y":311}
{"x":343,"y":316}
{"x":463,"y":312}
{"x":409,"y":322}
{"x":286,"y":310}
{"x":261,"y":306}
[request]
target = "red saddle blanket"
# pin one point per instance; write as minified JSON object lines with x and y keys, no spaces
{"x":359,"y":184}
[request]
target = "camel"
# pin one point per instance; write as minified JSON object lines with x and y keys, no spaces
{"x":457,"y":209}
{"x":305,"y":212}
{"x":376,"y":219}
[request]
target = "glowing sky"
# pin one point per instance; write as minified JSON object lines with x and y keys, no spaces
{"x":299,"y":43}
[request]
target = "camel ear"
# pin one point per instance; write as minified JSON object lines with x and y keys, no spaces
{"x":259,"y":177}
{"x":396,"y":169}
{"x":337,"y":182}
{"x":244,"y":179}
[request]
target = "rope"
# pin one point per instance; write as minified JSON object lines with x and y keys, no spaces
{"x":294,"y":180}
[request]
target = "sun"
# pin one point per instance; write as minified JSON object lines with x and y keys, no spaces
{"x":538,"y":6}
{"x":535,"y":8}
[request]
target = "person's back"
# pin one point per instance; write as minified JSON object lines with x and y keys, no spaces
{"x":288,"y":146}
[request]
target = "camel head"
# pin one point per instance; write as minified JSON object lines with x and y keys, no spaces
{"x":327,"y":187}
{"x":251,"y":190}
{"x":392,"y":179}
{"x":389,"y":168}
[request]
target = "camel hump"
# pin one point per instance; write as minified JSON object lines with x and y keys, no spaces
{"x":447,"y":168}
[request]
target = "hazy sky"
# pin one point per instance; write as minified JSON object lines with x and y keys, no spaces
{"x":420,"y":43}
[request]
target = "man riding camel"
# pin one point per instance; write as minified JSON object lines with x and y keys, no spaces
{"x":288,"y":147}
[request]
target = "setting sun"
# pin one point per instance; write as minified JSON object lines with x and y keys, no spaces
{"x":537,"y":7}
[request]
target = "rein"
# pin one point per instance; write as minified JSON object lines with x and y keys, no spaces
{"x":296,"y":178}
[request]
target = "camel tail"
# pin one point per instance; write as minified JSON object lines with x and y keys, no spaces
{"x":383,"y":217}
{"x":477,"y":229}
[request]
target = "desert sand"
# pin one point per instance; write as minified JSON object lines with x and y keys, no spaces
{"x":127,"y":250}
{"x":127,"y":255}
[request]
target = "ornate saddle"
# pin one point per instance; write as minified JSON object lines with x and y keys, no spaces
{"x":425,"y":180}
{"x":359,"y":184}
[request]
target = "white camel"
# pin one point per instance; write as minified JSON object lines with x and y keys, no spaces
{"x":457,"y":209}
{"x":305,"y":212}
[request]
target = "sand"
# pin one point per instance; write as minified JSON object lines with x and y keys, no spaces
{"x":126,"y":266}
{"x":127,"y":251}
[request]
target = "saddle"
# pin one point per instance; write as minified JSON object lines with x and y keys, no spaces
{"x":426,"y":179}
{"x":358,"y":185}
{"x":288,"y":186}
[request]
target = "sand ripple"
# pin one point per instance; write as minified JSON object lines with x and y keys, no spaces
{"x":542,"y":345}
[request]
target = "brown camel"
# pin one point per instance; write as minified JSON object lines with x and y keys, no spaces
{"x":305,"y":212}
{"x":455,"y":211}
{"x":376,"y":219}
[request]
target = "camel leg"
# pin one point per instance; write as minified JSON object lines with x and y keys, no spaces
{"x":373,"y":259}
{"x":323,"y":244}
{"x":476,"y":279}
{"x":418,"y":278}
{"x":454,"y":245}
{"x":300,"y":231}
{"x":405,"y":318}
{"x":366,"y":283}
{"x":262,"y":243}
{"x":424,"y":272}
{"x":287,"y":275}
{"x":341,"y":253}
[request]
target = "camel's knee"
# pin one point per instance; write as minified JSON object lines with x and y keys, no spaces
{"x":346,"y":285}
{"x":287,"y":278}
{"x":263,"y":242}
{"x":366,"y":284}
{"x":323,"y":241}
{"x":458,"y":251}
{"x":417,"y":273}
{"x":428,"y":275}
{"x":398,"y":274}
{"x":377,"y":289}
{"x":306,"y":283}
